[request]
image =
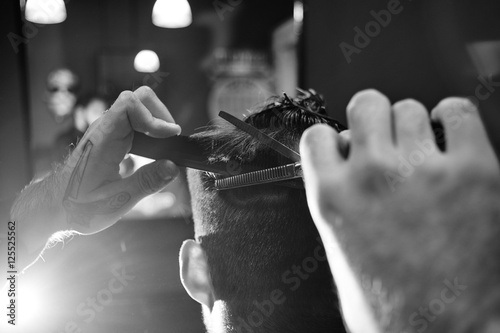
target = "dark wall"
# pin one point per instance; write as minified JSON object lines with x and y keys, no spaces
{"x":420,"y":53}
{"x":14,"y":132}
{"x":398,"y":61}
{"x":94,"y":28}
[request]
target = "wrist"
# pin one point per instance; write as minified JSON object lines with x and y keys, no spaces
{"x":38,"y":210}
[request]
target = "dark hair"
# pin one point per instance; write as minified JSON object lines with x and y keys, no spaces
{"x":261,"y":240}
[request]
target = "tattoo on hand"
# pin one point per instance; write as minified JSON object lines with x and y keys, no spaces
{"x":83,"y":212}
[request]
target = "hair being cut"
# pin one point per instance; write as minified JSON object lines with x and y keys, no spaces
{"x":262,"y":239}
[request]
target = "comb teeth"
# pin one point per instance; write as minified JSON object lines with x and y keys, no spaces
{"x":270,"y":175}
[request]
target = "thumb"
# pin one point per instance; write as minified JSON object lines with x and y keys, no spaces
{"x":110,"y":202}
{"x":151,"y":178}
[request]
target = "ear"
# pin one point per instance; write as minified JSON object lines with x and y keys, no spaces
{"x":195,"y":274}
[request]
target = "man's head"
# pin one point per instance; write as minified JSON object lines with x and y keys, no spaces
{"x":60,"y":95}
{"x":258,"y":264}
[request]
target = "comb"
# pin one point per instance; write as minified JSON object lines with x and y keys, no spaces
{"x":182,"y":150}
{"x":270,"y":175}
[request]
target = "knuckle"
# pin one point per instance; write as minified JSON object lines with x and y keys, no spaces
{"x":127,"y":99}
{"x":410,"y":107}
{"x":434,"y":174}
{"x":346,"y":135}
{"x":455,"y":105}
{"x":357,"y":115}
{"x":410,"y":117}
{"x":126,"y":95}
{"x":373,"y":177}
{"x":354,"y":113}
{"x":468,"y":163}
{"x":373,"y":162}
{"x":369,"y":94}
{"x":326,"y":199}
{"x":326,"y":205}
{"x":144,"y":92}
{"x":308,"y":135}
{"x":468,"y":107}
{"x":447,"y":102}
{"x":450,"y":102}
{"x":316,"y":134}
{"x":370,"y":98}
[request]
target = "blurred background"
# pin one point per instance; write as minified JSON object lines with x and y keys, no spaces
{"x":64,"y":62}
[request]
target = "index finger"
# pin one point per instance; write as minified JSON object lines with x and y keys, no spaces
{"x":322,"y":163}
{"x":129,"y":110}
{"x":148,"y":97}
{"x":369,"y":118}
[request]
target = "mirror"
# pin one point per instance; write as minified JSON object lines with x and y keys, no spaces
{"x":233,"y":56}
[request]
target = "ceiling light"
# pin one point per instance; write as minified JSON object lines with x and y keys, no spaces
{"x":172,"y":14}
{"x":298,"y":11}
{"x":146,"y":61}
{"x":45,"y":11}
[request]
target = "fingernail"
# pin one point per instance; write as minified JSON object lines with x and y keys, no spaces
{"x":167,"y":170}
{"x":175,"y":128}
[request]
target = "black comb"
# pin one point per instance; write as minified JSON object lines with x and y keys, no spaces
{"x":182,"y":150}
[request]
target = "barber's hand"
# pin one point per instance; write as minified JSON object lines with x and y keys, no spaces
{"x":95,"y":195}
{"x":404,"y":215}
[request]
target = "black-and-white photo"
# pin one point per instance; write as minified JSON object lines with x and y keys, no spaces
{"x":250,"y":166}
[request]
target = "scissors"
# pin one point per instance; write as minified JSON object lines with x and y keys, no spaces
{"x":190,"y":152}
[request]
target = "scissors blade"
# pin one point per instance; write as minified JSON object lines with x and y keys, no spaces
{"x":262,"y":137}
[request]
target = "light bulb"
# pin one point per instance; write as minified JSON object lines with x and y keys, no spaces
{"x":172,"y":14}
{"x":45,"y":11}
{"x":146,"y":61}
{"x":298,"y":11}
